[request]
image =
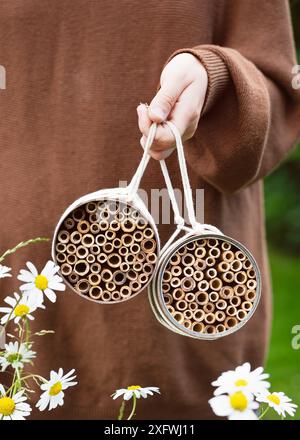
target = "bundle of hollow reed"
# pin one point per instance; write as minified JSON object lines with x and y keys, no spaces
{"x":106,"y":250}
{"x":209,"y":285}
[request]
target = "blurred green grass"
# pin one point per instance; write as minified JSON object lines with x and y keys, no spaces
{"x":283,"y":362}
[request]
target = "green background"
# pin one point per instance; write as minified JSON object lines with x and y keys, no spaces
{"x":282,"y":196}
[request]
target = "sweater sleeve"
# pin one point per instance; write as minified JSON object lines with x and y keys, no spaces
{"x":251,"y":115}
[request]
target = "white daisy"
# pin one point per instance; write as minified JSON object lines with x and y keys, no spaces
{"x":19,"y":307}
{"x":53,"y":394}
{"x":4,"y":271}
{"x":15,"y":355}
{"x":13,"y":408}
{"x":243,"y":379}
{"x":279,"y":402}
{"x":136,"y":390}
{"x":236,"y":406}
{"x":45,"y":282}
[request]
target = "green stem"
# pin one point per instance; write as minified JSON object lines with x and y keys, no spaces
{"x":133,"y":408}
{"x":121,"y":411}
{"x":21,"y":245}
{"x":264,"y":413}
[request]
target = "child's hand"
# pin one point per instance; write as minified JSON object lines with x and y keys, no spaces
{"x":180,"y":100}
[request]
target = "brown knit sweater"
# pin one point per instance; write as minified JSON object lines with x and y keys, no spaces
{"x":76,"y":70}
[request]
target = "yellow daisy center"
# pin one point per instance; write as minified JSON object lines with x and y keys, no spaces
{"x":55,"y":389}
{"x":7,"y":406}
{"x":238,"y":401}
{"x":134,"y":387}
{"x":14,"y":357}
{"x":241,"y":383}
{"x":21,"y":310}
{"x":41,"y":282}
{"x":273,"y":398}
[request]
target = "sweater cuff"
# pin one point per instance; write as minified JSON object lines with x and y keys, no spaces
{"x":218,"y":75}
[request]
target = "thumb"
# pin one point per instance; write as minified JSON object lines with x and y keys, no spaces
{"x":165,"y":99}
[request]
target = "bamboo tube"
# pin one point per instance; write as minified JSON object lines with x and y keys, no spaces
{"x":135,"y":248}
{"x":166,"y":287}
{"x":143,"y":278}
{"x":236,"y":265}
{"x":151,"y":258}
{"x":214,"y":252}
{"x":135,"y":285}
{"x":213,"y":297}
{"x":91,"y":207}
{"x":114,"y":260}
{"x":94,"y":218}
{"x":200,"y":264}
{"x":247,"y":305}
{"x":125,"y":291}
{"x":181,"y":305}
{"x":240,"y":277}
{"x":175,"y":282}
{"x":94,"y":279}
{"x":203,"y":285}
{"x":114,"y":225}
{"x":228,"y":256}
{"x":106,"y":275}
{"x":226,"y":292}
{"x":126,"y":210}
{"x":123,"y":251}
{"x":128,"y":225}
{"x":251,"y":273}
{"x":138,"y":236}
{"x":141,"y":223}
{"x":71,"y":259}
{"x":247,"y":264}
{"x":88,"y":240}
{"x":73,"y":277}
{"x":108,"y":248}
{"x":75,"y":237}
{"x":120,"y":218}
{"x":187,"y":324}
{"x":78,"y":214}
{"x":115,"y":296}
{"x":103,"y":225}
{"x":168,"y":298}
{"x":235,"y":301}
{"x":188,"y":271}
{"x":103,"y":217}
{"x":81,"y":252}
{"x":113,"y":207}
{"x":63,"y":236}
{"x":127,"y":240}
{"x":66,"y":269}
{"x":220,"y":316}
{"x":171,"y":309}
{"x":61,"y":258}
{"x":188,"y":314}
{"x":210,"y":329}
{"x":241,"y":314}
{"x":202,"y":298}
{"x":240,"y":290}
{"x":187,"y":284}
{"x":102,"y":258}
{"x":178,"y":316}
{"x":110,"y":286}
{"x":250,"y":295}
{"x":240,"y":256}
{"x":178,"y":294}
{"x":106,"y":296}
{"x":60,"y":247}
{"x":221,"y":304}
{"x":230,"y":322}
{"x":138,"y":267}
{"x":176,"y":271}
{"x":231,"y":311}
{"x":95,"y":292}
{"x":216,"y":284}
{"x":210,"y":261}
{"x":211,"y":273}
{"x":91,"y":258}
{"x":188,"y":259}
{"x":81,"y":267}
{"x":201,"y":242}
{"x":209,"y":307}
{"x":83,"y":286}
{"x":182,"y":251}
{"x":251,"y":284}
{"x":175,"y":260}
{"x":190,"y":297}
{"x":148,"y":233}
{"x":193,"y":306}
{"x":223,"y":266}
{"x":198,"y":327}
{"x":210,"y":318}
{"x":129,"y":258}
{"x":191,"y":246}
{"x":124,"y":267}
{"x":227,"y":277}
{"x":167,"y":276}
{"x":200,"y":252}
{"x":135,"y":214}
{"x":71,"y":248}
{"x":100,"y":240}
{"x":110,"y":235}
{"x":95,"y":268}
{"x":83,"y":227}
{"x":69,"y":223}
{"x":117,"y":243}
{"x":212,"y":242}
{"x":95,"y":249}
{"x":198,"y":275}
{"x":220,"y":328}
{"x":148,"y":268}
{"x":199,"y":315}
{"x":148,"y":245}
{"x":225,"y":246}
